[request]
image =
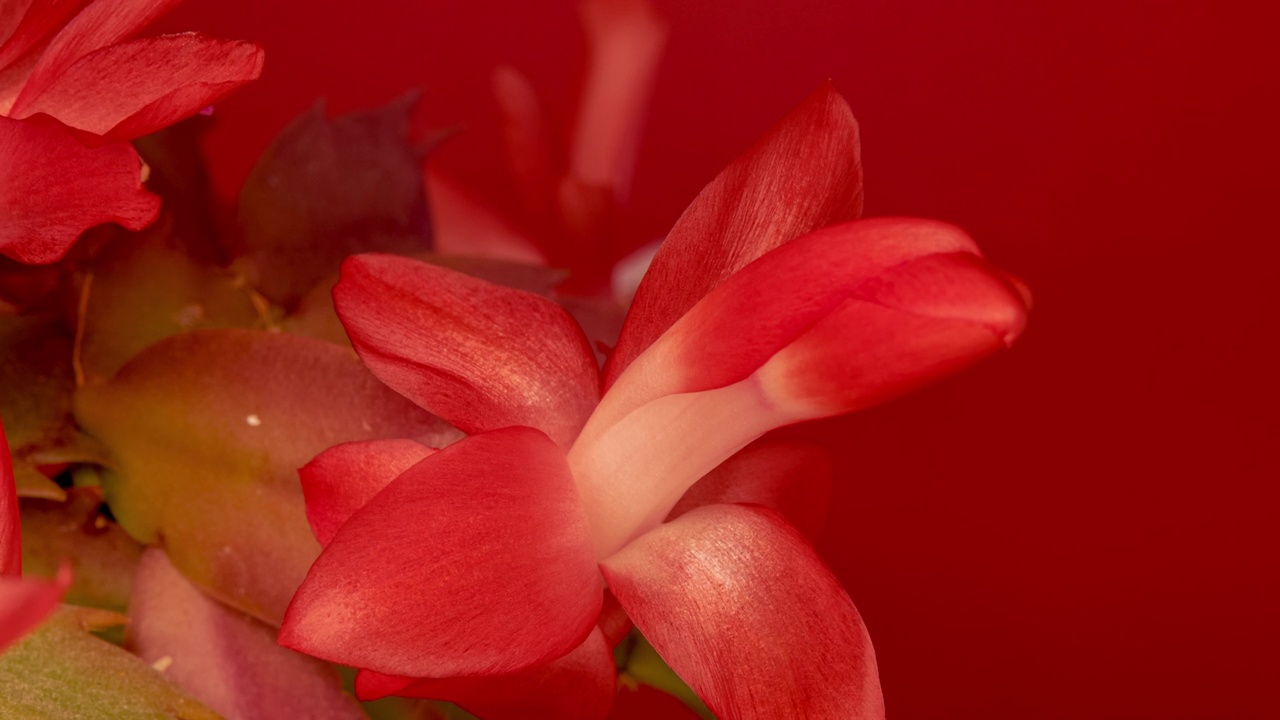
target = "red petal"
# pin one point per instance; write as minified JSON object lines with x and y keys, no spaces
{"x":792,"y":477}
{"x":26,"y":602}
{"x":52,"y":189}
{"x":134,"y":88}
{"x":10,"y":518}
{"x":342,"y":479}
{"x":100,"y":24}
{"x":578,"y":686}
{"x":743,"y":610}
{"x":613,"y":620}
{"x":38,"y":20}
{"x":838,"y":320}
{"x":478,"y":355}
{"x":475,"y":561}
{"x":224,"y":659}
{"x":805,"y":173}
{"x":625,"y":40}
{"x":464,"y":226}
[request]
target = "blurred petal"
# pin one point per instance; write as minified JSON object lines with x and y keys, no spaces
{"x":100,"y":24}
{"x":342,"y":479}
{"x":52,"y":188}
{"x":26,"y":602}
{"x":527,"y":144}
{"x":328,"y":188}
{"x":838,"y":320}
{"x":744,"y":611}
{"x":10,"y":526}
{"x":464,"y":226}
{"x":118,"y":92}
{"x":478,"y":355}
{"x":805,"y":173}
{"x":475,"y":561}
{"x":624,"y":40}
{"x":226,"y":660}
{"x":62,"y":671}
{"x":578,"y":686}
{"x":792,"y":477}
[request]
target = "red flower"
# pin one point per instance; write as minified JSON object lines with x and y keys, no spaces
{"x":68,"y":79}
{"x":572,"y":189}
{"x":23,"y":603}
{"x":479,"y":567}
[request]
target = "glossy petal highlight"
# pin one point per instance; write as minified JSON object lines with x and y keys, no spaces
{"x":475,"y":561}
{"x":478,"y":355}
{"x":832,"y":322}
{"x":743,"y":610}
{"x":805,"y":173}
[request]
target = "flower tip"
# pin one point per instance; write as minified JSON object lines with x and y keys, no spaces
{"x":1016,"y":320}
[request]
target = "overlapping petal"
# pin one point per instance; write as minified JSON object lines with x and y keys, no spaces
{"x":480,"y":356}
{"x":26,"y":602}
{"x":743,"y":610}
{"x":441,"y":572}
{"x":117,"y":93}
{"x":226,"y":660}
{"x":792,"y":477}
{"x":804,"y":174}
{"x":102,"y":23}
{"x":342,"y":479}
{"x":832,"y":322}
{"x":23,"y":28}
{"x":52,"y":188}
{"x":578,"y":686}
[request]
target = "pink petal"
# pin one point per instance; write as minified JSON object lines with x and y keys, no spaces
{"x":475,"y":561}
{"x":134,"y":88}
{"x":743,"y":610}
{"x":26,"y":602}
{"x":102,"y":23}
{"x":52,"y":189}
{"x":838,"y":320}
{"x":342,"y":479}
{"x":10,"y":518}
{"x":792,"y":477}
{"x":624,"y":40}
{"x":478,"y":355}
{"x":578,"y":686}
{"x":224,"y":659}
{"x":805,"y":173}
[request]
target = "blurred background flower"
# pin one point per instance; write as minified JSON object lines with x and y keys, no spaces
{"x":1082,"y":528}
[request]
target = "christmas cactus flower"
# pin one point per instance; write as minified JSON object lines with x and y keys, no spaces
{"x":75,"y":86}
{"x":24,"y":603}
{"x":477,"y":573}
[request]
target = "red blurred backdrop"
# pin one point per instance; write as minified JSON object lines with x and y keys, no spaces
{"x":1084,"y":527}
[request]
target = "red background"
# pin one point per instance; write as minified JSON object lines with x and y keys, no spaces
{"x":1083,"y":527}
